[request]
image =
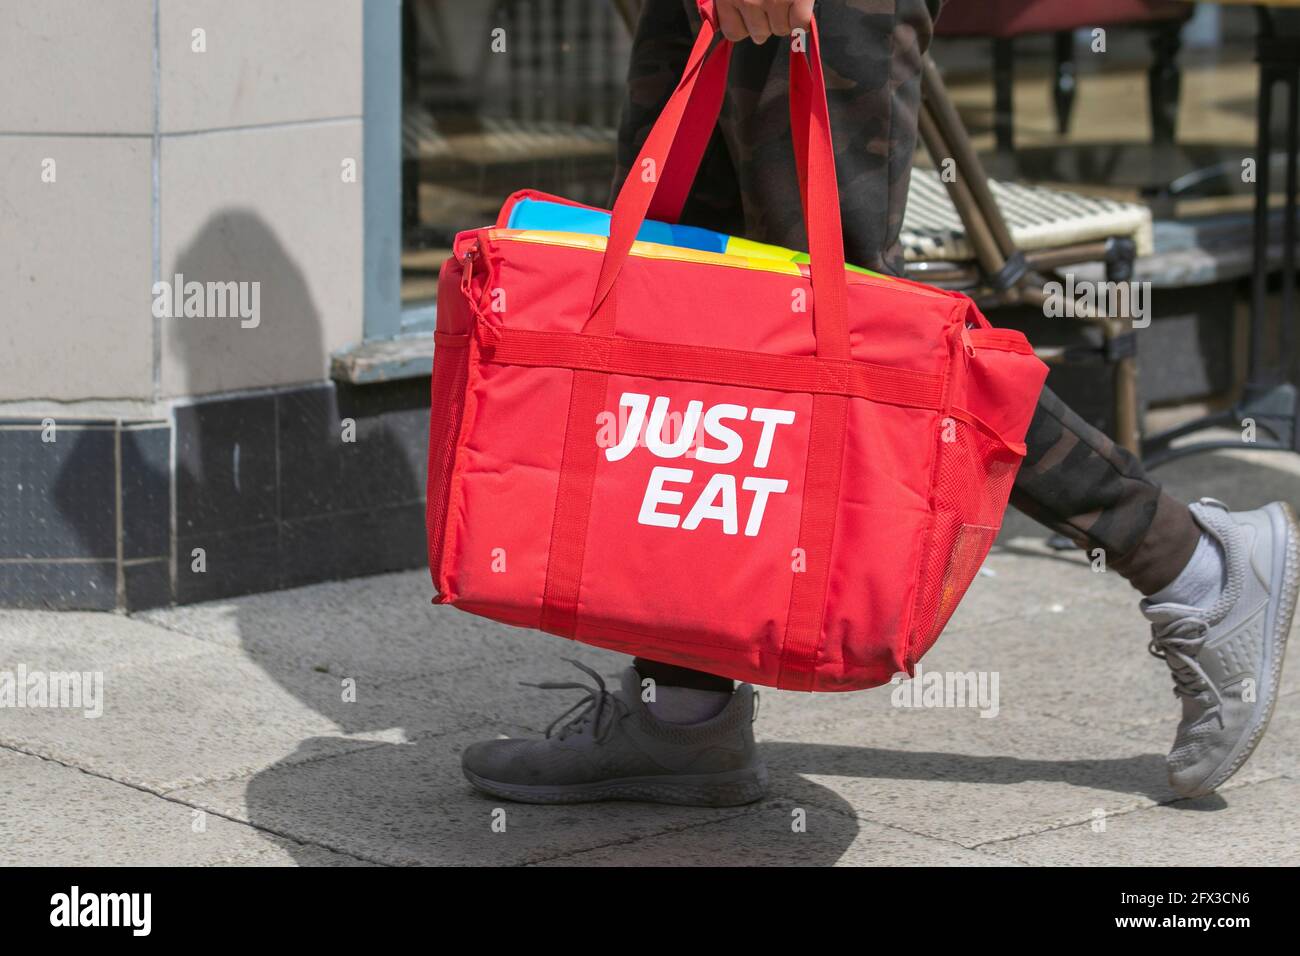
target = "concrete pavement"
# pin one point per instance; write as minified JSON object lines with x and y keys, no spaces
{"x":324,"y":726}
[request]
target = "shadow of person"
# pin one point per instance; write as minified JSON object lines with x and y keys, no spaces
{"x":1142,"y":775}
{"x":274,"y":486}
{"x":295,"y":485}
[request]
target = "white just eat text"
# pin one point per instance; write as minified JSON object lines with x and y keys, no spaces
{"x":719,"y":501}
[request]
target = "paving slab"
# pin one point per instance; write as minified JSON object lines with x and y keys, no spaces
{"x":81,"y":641}
{"x":58,"y":816}
{"x":768,"y":837}
{"x":955,"y":776}
{"x":279,"y":852}
{"x":1250,"y":826}
{"x":216,"y":714}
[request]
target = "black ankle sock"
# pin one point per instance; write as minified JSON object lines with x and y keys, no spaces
{"x":670,"y":675}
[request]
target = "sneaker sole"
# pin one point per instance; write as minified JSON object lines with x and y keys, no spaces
{"x":1286,"y":581}
{"x":730,"y":789}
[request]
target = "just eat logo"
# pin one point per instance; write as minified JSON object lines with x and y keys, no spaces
{"x":719,"y":499}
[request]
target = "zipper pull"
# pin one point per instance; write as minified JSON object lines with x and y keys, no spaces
{"x":468,"y":265}
{"x":467,"y":277}
{"x":965,"y":340}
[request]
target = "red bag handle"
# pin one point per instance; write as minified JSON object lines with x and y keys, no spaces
{"x":678,"y":173}
{"x":680,"y":136}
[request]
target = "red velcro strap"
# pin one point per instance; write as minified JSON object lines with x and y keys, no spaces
{"x":573,"y":505}
{"x":821,"y":495}
{"x":693,"y":363}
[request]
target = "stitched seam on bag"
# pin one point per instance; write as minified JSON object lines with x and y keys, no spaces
{"x":929,"y":544}
{"x":818,"y":658}
{"x":794,"y":586}
{"x":1001,"y":340}
{"x":816,"y":610}
{"x":828,"y":376}
{"x":446,"y":444}
{"x":659,"y":637}
{"x":456,"y":480}
{"x":930,"y":547}
{"x":581,"y":390}
{"x":456,"y":469}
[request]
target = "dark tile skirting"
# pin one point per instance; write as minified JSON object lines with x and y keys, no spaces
{"x":231,"y":496}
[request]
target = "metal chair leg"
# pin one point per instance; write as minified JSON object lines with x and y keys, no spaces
{"x":1121,"y":344}
{"x":1063,"y":89}
{"x":1004,"y":124}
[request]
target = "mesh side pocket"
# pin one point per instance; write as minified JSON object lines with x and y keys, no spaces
{"x":446,"y":406}
{"x":973,"y":480}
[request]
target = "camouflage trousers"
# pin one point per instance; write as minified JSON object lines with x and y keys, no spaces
{"x":1074,"y":479}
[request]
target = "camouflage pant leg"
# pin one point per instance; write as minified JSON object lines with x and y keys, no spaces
{"x":664,"y":36}
{"x":1078,"y":482}
{"x":1075,"y":479}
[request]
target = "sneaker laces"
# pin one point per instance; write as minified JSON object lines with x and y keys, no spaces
{"x":599,"y":703}
{"x":1177,"y":644}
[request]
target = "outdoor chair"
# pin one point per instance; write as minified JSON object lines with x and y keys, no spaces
{"x":1001,"y":243}
{"x":1003,"y":21}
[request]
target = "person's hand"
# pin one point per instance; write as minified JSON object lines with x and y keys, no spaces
{"x":759,"y":19}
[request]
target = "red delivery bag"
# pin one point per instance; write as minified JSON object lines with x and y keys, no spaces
{"x":778,"y":472}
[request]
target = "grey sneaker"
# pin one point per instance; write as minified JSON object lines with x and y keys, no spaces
{"x":1227,"y":660}
{"x":613,"y":748}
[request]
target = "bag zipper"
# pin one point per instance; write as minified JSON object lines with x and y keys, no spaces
{"x":467,"y":278}
{"x":852,"y":278}
{"x":965,"y":339}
